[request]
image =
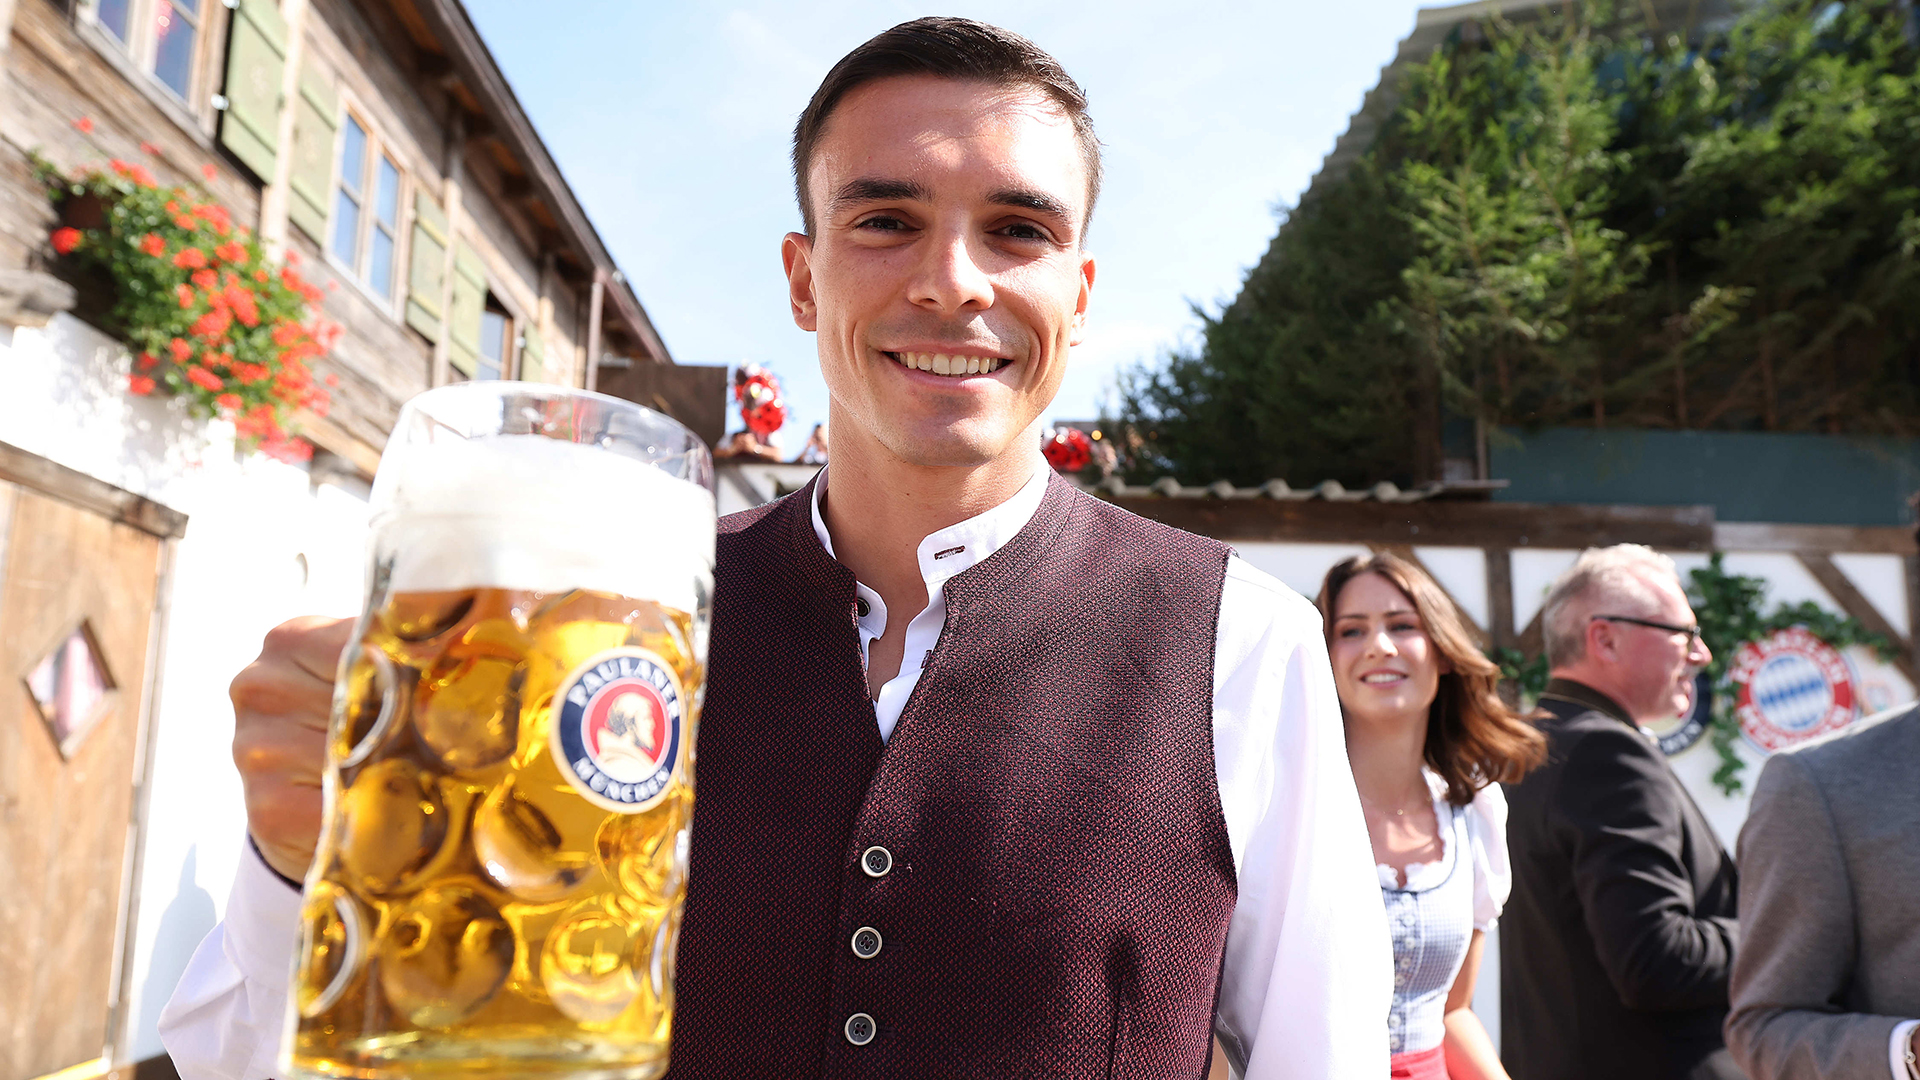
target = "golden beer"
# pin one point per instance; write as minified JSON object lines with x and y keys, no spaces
{"x":497,"y":891}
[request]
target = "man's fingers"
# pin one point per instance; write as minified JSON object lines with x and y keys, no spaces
{"x":314,"y":644}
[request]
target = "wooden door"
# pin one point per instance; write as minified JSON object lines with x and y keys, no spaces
{"x":76,"y":605}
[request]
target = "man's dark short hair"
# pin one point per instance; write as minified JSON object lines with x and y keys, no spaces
{"x":947,"y":48}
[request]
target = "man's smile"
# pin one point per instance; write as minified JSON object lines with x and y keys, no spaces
{"x":950,"y":364}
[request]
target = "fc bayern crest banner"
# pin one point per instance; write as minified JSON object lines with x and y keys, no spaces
{"x":1790,"y":687}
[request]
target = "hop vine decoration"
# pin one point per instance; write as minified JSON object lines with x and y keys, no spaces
{"x":210,"y":318}
{"x":1728,"y":607}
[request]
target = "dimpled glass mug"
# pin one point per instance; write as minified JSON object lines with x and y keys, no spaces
{"x":510,"y":762}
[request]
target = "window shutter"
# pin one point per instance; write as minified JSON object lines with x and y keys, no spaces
{"x":256,"y":59}
{"x":427,"y":267}
{"x":533,"y":357}
{"x":316,"y":118}
{"x":464,"y":309}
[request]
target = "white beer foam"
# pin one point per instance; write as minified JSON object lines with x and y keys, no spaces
{"x":530,"y":512}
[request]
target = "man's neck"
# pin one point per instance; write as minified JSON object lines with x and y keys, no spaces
{"x":877,"y":510}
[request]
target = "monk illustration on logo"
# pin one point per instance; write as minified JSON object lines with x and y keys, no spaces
{"x":627,"y":740}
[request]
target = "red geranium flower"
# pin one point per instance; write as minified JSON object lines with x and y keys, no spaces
{"x":180,"y":349}
{"x":190,"y":258}
{"x":140,"y":175}
{"x":205,"y":379}
{"x":232,"y":251}
{"x":205,"y":279}
{"x":152,"y":245}
{"x":119,"y":167}
{"x":139,"y":384}
{"x":150,"y":148}
{"x":65,"y":239}
{"x":209,"y":172}
{"x":185,"y":294}
{"x":184,"y":222}
{"x":146,"y":360}
{"x":229,"y":401}
{"x":85,"y":125}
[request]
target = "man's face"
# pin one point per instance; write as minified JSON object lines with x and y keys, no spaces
{"x":946,"y":280}
{"x":1657,"y":666}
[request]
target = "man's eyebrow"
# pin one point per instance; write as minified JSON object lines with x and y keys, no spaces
{"x":1037,"y":201}
{"x":867,"y":189}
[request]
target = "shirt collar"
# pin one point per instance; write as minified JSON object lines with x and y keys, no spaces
{"x":1579,"y":693}
{"x":966,"y":544}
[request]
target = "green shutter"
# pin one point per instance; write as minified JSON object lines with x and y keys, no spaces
{"x":256,"y":60}
{"x":533,"y":357}
{"x":315,"y":119}
{"x":427,"y":267}
{"x":464,"y":309}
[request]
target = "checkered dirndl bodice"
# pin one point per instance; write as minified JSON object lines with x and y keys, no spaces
{"x":1431,"y":920}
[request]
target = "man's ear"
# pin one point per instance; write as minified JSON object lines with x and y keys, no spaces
{"x":796,"y":254}
{"x":1601,"y":642}
{"x":1086,"y":298}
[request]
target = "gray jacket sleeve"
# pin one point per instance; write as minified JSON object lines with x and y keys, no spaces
{"x":1798,"y":942}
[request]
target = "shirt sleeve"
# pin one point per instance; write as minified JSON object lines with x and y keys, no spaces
{"x":1897,"y":1049}
{"x":1307,"y":978}
{"x":228,"y":1013}
{"x":1492,"y":872}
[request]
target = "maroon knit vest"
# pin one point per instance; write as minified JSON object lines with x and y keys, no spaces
{"x":1060,"y":880}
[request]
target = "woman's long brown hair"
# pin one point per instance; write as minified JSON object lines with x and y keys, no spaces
{"x":1473,"y":738}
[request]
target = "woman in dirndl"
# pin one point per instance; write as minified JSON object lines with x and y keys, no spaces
{"x":1430,"y":741}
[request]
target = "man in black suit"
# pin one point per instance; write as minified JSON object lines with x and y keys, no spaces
{"x":1619,"y":937}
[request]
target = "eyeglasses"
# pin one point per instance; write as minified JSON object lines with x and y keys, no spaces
{"x":1692,"y":632}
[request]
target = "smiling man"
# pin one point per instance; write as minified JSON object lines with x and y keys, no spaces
{"x":1619,"y":938}
{"x":995,"y":780}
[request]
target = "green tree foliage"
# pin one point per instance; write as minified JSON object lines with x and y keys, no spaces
{"x":1580,"y":220}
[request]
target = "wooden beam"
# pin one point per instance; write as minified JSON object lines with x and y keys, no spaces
{"x":1755,"y":536}
{"x":1465,"y":524}
{"x":329,"y":436}
{"x":1911,"y":564}
{"x":1500,"y":596}
{"x":596,"y":303}
{"x":117,"y":504}
{"x":1855,"y":603}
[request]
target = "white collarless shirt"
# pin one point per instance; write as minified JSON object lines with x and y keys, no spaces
{"x":1308,"y":971}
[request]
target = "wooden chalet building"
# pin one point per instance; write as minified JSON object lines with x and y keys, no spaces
{"x":143,"y":554}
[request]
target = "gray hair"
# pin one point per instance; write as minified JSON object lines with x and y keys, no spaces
{"x":1614,"y":576}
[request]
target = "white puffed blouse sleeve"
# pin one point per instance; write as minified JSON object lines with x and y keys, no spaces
{"x":1492,"y":871}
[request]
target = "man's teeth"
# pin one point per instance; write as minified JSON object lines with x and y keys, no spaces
{"x":943,"y":364}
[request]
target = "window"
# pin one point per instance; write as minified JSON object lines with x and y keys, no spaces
{"x":163,"y":37}
{"x":495,"y":335}
{"x":366,"y":209}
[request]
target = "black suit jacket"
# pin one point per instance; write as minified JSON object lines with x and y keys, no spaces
{"x":1617,"y":942}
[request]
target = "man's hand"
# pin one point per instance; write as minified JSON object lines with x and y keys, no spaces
{"x":280,"y":707}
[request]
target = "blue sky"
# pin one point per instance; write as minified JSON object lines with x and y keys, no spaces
{"x":672,"y":122}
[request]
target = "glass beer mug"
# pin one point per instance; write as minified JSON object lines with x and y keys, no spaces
{"x":510,"y":766}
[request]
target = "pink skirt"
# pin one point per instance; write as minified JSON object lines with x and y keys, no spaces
{"x":1425,"y":1065}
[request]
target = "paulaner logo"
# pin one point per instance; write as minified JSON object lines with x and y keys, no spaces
{"x":619,"y":729}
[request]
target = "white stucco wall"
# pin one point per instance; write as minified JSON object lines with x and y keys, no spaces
{"x":263,"y":543}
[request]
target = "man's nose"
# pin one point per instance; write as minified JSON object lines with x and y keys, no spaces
{"x":950,"y":280}
{"x":1700,"y":655}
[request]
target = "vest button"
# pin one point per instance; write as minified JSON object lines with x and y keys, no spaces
{"x":866,"y":943}
{"x":860,"y":1029}
{"x":861,"y":607}
{"x":876,"y":861}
